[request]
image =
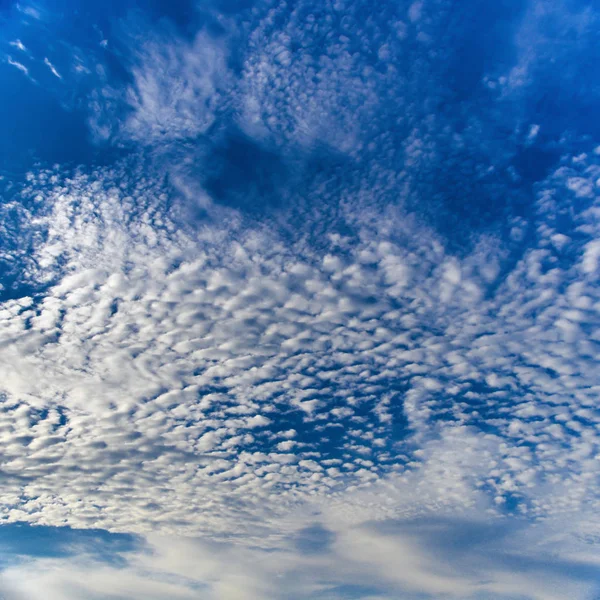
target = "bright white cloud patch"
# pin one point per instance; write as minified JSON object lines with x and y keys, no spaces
{"x":17,"y":65}
{"x":52,"y":68}
{"x":154,"y":384}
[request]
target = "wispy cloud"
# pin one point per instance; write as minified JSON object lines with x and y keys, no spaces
{"x":52,"y":68}
{"x":17,"y":65}
{"x":18,"y":44}
{"x":176,"y":92}
{"x":435,"y":557}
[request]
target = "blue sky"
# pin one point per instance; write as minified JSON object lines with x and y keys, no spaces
{"x":299,"y":300}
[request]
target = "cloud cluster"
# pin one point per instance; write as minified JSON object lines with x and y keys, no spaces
{"x":186,"y":380}
{"x":333,"y":394}
{"x":176,"y":91}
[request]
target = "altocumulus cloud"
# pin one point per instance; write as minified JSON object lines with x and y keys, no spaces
{"x":222,"y":380}
{"x":333,"y":396}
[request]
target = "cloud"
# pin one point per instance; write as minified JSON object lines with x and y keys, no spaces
{"x":31,"y":10}
{"x":180,"y":358}
{"x":338,"y":397}
{"x":177,"y":89}
{"x":18,"y":65}
{"x":18,"y":44}
{"x":431,"y":557}
{"x":52,"y":68}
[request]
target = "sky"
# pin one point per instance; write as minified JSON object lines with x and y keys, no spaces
{"x":299,"y":300}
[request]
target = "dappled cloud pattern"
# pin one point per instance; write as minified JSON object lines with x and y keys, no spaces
{"x":321,"y":318}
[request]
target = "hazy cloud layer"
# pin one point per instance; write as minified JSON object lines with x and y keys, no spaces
{"x":433,"y":557}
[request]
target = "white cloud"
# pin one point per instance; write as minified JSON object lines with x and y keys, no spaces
{"x":435,"y":556}
{"x":168,"y":356}
{"x":30,"y":9}
{"x":19,"y":44}
{"x":18,"y":65}
{"x":225,"y":378}
{"x":52,"y":68}
{"x":589,"y":263}
{"x":177,"y":89}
